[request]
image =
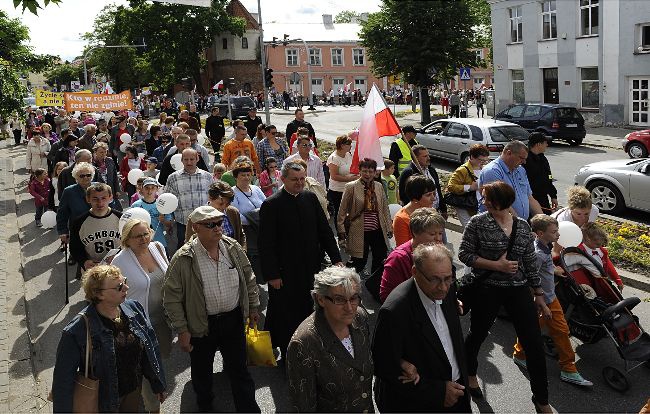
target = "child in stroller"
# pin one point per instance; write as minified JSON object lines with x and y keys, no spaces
{"x":594,"y":307}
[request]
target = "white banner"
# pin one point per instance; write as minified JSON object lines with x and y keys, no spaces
{"x":199,"y":3}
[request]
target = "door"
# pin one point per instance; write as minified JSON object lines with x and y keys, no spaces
{"x":360,"y":83}
{"x":639,"y":108}
{"x":639,"y":184}
{"x":454,"y":141}
{"x":551,"y":94}
{"x":317,"y":87}
{"x":431,"y":137}
{"x":530,"y":118}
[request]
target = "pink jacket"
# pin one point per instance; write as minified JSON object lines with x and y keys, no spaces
{"x":266,"y":180}
{"x":397,"y":269}
{"x":40,"y":192}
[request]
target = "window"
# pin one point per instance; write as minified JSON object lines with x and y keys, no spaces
{"x":224,"y":43}
{"x":549,"y":20}
{"x":516,"y":111}
{"x":479,"y":54}
{"x":644,"y":37}
{"x":314,"y":57}
{"x":518,"y":95}
{"x":589,"y":86}
{"x":457,"y":131}
{"x":338,"y":83}
{"x":244,"y":43}
{"x":515,"y":24}
{"x":337,"y":57}
{"x":292,"y":57}
{"x":532,"y":111}
{"x":359,"y":57}
{"x":588,"y":17}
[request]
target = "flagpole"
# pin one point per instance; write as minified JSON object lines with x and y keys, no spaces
{"x":267,"y":110}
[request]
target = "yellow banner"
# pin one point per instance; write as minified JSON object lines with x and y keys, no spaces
{"x":95,"y":102}
{"x":47,"y":98}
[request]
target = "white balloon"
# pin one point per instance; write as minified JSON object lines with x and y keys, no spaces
{"x":200,"y":139}
{"x":166,"y":203}
{"x":48,"y":219}
{"x":134,"y":174}
{"x":134,"y":213}
{"x":176,"y":161}
{"x":126,"y":138}
{"x":570,"y":234}
{"x":123,"y":147}
{"x":394,"y":208}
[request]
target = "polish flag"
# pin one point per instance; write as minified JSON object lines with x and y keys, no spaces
{"x":218,"y":85}
{"x":347,"y":87}
{"x":378,"y":121}
{"x":108,"y":89}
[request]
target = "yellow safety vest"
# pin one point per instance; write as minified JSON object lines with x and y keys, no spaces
{"x":405,"y":149}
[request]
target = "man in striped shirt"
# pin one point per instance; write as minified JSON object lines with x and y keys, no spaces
{"x":190,"y":185}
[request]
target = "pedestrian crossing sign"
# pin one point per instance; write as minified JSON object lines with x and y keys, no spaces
{"x":465,"y":74}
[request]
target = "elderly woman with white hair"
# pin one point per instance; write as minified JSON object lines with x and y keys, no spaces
{"x":329,"y":365}
{"x":73,"y":199}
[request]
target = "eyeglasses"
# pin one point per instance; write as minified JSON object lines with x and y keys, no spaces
{"x":212,"y":224}
{"x":354,"y":300}
{"x":436,"y":281}
{"x":85,"y":175}
{"x":118,"y":287}
{"x":306,"y":145}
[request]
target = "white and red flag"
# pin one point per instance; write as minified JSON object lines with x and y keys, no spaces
{"x":218,"y":85}
{"x":108,"y":89}
{"x":347,"y":87}
{"x":378,"y":121}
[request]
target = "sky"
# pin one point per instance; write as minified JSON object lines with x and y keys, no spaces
{"x":57,"y":30}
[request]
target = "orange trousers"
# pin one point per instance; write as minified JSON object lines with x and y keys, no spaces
{"x":558,"y":330}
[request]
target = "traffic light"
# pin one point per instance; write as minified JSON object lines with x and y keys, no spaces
{"x":268,"y":77}
{"x":188,"y":83}
{"x":231,"y":83}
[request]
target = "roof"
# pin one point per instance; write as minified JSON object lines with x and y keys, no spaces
{"x":480,"y":122}
{"x":313,"y":32}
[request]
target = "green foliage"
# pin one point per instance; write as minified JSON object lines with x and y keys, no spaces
{"x":63,"y":74}
{"x":423,"y":40}
{"x":176,"y":37}
{"x":33,"y":5}
{"x":480,"y":9}
{"x":16,"y":58}
{"x":346,"y":16}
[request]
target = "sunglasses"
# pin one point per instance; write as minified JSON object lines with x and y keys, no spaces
{"x":85,"y":175}
{"x":212,"y":224}
{"x":118,"y":287}
{"x":306,"y":145}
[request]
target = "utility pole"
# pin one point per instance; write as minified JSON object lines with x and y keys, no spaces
{"x":267,"y":109}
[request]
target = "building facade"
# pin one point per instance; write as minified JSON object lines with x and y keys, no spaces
{"x":591,"y":54}
{"x":336,"y":57}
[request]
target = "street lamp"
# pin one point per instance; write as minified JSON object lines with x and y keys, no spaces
{"x":102,"y":47}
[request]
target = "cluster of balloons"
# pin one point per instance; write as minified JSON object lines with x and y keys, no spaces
{"x":126,"y":140}
{"x":165,"y":204}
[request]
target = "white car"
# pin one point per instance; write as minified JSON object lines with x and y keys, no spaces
{"x":617,"y":184}
{"x":451,"y":138}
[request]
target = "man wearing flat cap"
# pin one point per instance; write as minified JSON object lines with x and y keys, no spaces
{"x":208,"y":293}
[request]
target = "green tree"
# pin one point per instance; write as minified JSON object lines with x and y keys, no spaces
{"x":423,"y":40}
{"x":16,"y":58}
{"x":63,"y":74}
{"x":33,"y":5}
{"x":176,"y":37}
{"x":346,"y":16}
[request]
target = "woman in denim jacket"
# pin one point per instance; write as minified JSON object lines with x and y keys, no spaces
{"x":125,"y":347}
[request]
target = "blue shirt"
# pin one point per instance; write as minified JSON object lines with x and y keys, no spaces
{"x":497,"y":170}
{"x":158,"y":227}
{"x":546,"y":270}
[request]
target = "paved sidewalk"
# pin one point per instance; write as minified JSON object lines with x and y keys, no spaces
{"x":19,"y":391}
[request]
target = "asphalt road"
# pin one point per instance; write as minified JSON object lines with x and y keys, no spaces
{"x":601,"y":144}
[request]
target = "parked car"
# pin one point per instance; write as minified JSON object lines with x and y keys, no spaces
{"x":557,"y":122}
{"x":240,"y":106}
{"x":450,"y":139}
{"x":617,"y":184}
{"x":637,"y":144}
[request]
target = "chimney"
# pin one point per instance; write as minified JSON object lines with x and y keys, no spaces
{"x":327,"y":19}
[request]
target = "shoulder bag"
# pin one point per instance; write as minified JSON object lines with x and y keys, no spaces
{"x":466,"y":286}
{"x":465,"y":201}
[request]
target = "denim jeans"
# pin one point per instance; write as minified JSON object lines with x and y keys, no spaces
{"x":39,"y":212}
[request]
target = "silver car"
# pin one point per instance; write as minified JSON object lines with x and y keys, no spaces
{"x":451,"y":138}
{"x":617,"y":184}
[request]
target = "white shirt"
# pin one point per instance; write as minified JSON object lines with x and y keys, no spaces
{"x":314,"y":167}
{"x":437,"y":317}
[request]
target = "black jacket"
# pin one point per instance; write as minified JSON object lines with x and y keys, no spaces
{"x":540,"y":177}
{"x":251,"y":125}
{"x":293,"y":127}
{"x":404,"y":331}
{"x":413,"y":170}
{"x":395,"y":154}
{"x":214,"y":128}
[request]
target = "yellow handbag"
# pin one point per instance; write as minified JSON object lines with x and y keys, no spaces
{"x":259,"y":351}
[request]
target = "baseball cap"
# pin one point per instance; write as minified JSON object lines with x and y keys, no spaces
{"x":151,"y":181}
{"x":204,"y":213}
{"x":153,"y":160}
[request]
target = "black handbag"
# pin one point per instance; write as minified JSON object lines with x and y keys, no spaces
{"x":466,"y":287}
{"x":467,"y":201}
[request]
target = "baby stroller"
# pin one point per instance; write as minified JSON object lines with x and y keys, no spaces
{"x":594,"y":308}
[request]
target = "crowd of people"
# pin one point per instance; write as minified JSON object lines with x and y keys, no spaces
{"x":262,"y":207}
